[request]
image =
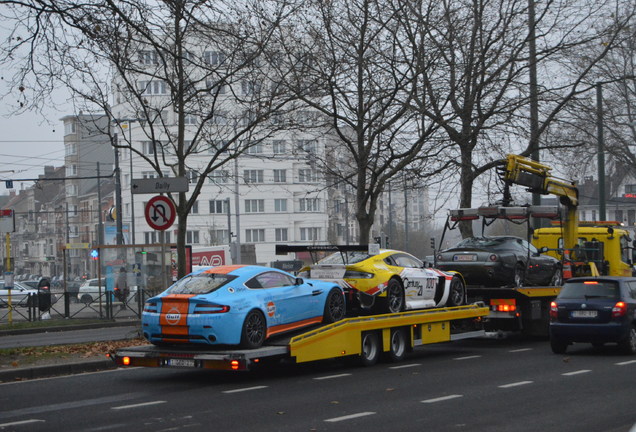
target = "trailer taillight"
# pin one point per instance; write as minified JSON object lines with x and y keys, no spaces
{"x":619,"y":310}
{"x":506,"y":308}
{"x":125,"y":361}
{"x":554,"y":310}
{"x":235,"y":364}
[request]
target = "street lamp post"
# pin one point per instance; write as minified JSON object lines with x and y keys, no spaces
{"x":601,"y":152}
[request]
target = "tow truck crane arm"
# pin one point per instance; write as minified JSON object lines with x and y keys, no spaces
{"x":537,"y":177}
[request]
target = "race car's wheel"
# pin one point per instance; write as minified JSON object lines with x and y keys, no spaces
{"x":395,"y":300}
{"x":254,"y":330}
{"x":457,"y":293}
{"x":370,"y":349}
{"x":335,"y":308}
{"x":398,"y":348}
{"x":517,"y":278}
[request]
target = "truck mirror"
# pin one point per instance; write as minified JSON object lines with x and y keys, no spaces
{"x":610,"y":232}
{"x":544,"y":249}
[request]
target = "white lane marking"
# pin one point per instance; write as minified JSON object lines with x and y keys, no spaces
{"x":332,"y":376}
{"x":516,"y":384}
{"x":441,"y":399}
{"x":138,"y":405}
{"x":349,"y":417}
{"x":21,"y":422}
{"x":406,"y":366}
{"x":625,"y":363}
{"x":520,"y":350}
{"x":467,"y":357}
{"x":582,"y":371}
{"x":245,"y":389}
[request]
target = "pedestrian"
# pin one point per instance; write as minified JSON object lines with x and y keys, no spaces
{"x":121,"y":287}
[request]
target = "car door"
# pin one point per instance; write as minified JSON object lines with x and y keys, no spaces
{"x":419,"y":282}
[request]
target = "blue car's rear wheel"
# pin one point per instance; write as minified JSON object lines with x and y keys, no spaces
{"x":335,"y":308}
{"x":254,"y":330}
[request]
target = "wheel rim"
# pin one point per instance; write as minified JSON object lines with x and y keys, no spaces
{"x":398,"y":344}
{"x":336,"y":306}
{"x":457,"y":292}
{"x":396,"y":297}
{"x":369,"y":348}
{"x":632,"y":340}
{"x":518,"y":277}
{"x":254,"y":328}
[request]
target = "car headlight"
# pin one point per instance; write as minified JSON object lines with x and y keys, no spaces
{"x":352,"y":274}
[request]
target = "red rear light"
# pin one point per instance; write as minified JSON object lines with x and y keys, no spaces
{"x":590,"y":283}
{"x":619,"y":310}
{"x":210,"y":309}
{"x":554,"y":310}
{"x":506,"y":308}
{"x":492,"y":257}
{"x":150,"y":307}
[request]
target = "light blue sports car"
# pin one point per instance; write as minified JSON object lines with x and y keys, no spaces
{"x":238,"y":305}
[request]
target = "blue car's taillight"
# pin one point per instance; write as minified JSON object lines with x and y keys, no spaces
{"x":150,"y":307}
{"x":210,"y":309}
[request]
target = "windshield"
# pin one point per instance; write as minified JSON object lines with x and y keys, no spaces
{"x":202,"y":283}
{"x":350,"y":257}
{"x":486,"y":243}
{"x":590,"y":289}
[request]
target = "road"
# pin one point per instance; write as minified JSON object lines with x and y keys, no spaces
{"x":472,"y":385}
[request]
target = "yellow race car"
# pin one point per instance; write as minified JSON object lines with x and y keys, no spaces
{"x":387,"y":282}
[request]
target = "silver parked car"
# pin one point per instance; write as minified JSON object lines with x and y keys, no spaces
{"x":21,"y":295}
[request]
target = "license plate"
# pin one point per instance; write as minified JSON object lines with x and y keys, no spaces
{"x":584,"y":314}
{"x":327,"y":273}
{"x":465,"y":258}
{"x":180,"y":363}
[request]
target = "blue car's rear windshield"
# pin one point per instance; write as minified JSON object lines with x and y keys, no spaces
{"x":590,"y":289}
{"x":202,"y":283}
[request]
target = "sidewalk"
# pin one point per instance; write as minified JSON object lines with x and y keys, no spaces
{"x":80,"y":333}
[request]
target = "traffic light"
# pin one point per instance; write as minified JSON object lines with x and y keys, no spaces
{"x":94,"y":254}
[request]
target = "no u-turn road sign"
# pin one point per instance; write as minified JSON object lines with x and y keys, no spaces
{"x":160,"y":212}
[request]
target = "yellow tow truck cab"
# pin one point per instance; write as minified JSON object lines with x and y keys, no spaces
{"x":610,"y":248}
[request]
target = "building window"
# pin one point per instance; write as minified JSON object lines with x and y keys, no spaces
{"x":69,"y":128}
{"x":281,"y":234}
{"x":219,"y":236}
{"x":219,"y":206}
{"x":148,"y":57}
{"x":70,"y":148}
{"x":254,"y":206}
{"x":309,"y":205}
{"x":148,"y":147}
{"x":255,"y":148}
{"x":254,"y":235}
{"x":192,"y":237}
{"x":220,"y":117}
{"x":309,"y":234}
{"x":630,"y":188}
{"x":279,"y":147}
{"x":280,"y":176}
{"x":153,"y":237}
{"x":154,"y":87}
{"x":309,"y":147}
{"x":149,"y":174}
{"x":195,"y":208}
{"x":280,"y":205}
{"x":71,"y":170}
{"x":250,"y":87}
{"x":253,"y":176}
{"x":307,"y":175}
{"x":190,"y":119}
{"x":192,"y":176}
{"x":71,"y":190}
{"x":72,"y":210}
{"x":216,"y":87}
{"x":214,"y":58}
{"x":219,"y":177}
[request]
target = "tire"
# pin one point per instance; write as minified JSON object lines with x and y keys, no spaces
{"x":395,"y":298}
{"x":517,"y":278}
{"x":335,"y":307}
{"x":628,"y":345}
{"x":457,"y":294}
{"x":398,"y":345}
{"x":557,"y":278}
{"x":370,"y":350}
{"x":254,"y":330}
{"x":86,"y":299}
{"x":558,"y":346}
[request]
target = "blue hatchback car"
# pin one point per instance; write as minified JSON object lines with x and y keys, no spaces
{"x":238,"y":305}
{"x":595,"y":310}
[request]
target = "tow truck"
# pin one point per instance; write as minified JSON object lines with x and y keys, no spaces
{"x":584,"y":248}
{"x":365,"y":338}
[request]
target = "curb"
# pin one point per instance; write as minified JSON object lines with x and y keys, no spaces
{"x":56,"y":370}
{"x":70,"y":327}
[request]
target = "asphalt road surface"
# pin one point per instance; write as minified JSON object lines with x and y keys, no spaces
{"x":472,"y":385}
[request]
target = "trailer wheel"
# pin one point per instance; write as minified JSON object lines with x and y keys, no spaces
{"x":370,"y":349}
{"x":457,"y":293}
{"x":395,"y":297}
{"x":334,"y":306}
{"x":398,"y":346}
{"x":254,"y":329}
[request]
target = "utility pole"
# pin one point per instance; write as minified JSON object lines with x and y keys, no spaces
{"x":120,"y":236}
{"x":601,"y":152}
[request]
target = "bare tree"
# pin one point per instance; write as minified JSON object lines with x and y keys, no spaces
{"x":192,"y":74}
{"x":476,"y":85}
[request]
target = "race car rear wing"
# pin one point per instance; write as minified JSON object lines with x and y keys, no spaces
{"x":371,"y":249}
